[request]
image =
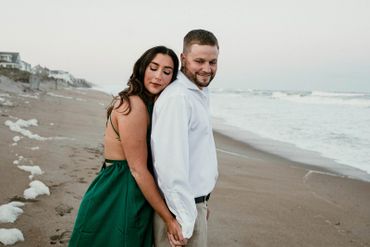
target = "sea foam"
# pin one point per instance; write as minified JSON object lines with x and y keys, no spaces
{"x":10,"y":212}
{"x":36,"y":188}
{"x":10,"y":236}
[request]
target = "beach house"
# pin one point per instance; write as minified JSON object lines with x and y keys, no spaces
{"x":13,"y":60}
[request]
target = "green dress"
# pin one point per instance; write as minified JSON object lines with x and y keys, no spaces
{"x":113,"y":211}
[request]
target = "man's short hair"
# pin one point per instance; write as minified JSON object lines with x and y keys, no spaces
{"x":199,"y":37}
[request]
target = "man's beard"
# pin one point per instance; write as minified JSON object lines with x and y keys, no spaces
{"x":193,"y":77}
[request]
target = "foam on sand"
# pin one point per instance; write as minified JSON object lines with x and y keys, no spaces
{"x":20,"y":158}
{"x":5,"y":102}
{"x":10,"y":212}
{"x":59,"y":96}
{"x":19,"y":126}
{"x":10,"y":236}
{"x":29,"y":96}
{"x":36,"y":188}
{"x":16,"y":138}
{"x":34,"y":170}
{"x":64,"y":97}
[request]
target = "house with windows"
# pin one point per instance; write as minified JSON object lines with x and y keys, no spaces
{"x":13,"y":60}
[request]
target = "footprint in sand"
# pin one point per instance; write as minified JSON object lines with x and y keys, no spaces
{"x":94,"y":150}
{"x":57,"y":185}
{"x":63,"y":166}
{"x":63,"y":209}
{"x":21,"y":199}
{"x":77,"y":197}
{"x":62,"y":238}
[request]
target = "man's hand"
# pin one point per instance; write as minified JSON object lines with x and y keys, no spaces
{"x":176,"y":243}
{"x":174,"y":233}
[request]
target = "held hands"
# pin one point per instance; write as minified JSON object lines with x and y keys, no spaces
{"x":175,"y":243}
{"x":174,"y":233}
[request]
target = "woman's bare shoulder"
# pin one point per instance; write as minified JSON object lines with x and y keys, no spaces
{"x":120,"y":107}
{"x":136,"y":105}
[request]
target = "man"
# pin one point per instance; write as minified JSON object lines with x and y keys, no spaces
{"x":183,"y":148}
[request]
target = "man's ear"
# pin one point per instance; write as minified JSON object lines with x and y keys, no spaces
{"x":182,"y":58}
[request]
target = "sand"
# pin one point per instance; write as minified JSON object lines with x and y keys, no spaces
{"x":264,"y":200}
{"x":260,"y":199}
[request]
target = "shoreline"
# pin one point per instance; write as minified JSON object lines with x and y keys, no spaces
{"x":290,"y":152}
{"x":260,"y":199}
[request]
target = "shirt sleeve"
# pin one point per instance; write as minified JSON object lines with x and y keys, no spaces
{"x":170,"y":149}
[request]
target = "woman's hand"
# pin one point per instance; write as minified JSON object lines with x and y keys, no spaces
{"x":174,"y":233}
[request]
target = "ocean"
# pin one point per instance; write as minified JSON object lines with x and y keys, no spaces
{"x":328,"y":129}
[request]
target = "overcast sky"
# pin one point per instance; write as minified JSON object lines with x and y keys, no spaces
{"x":264,"y":44}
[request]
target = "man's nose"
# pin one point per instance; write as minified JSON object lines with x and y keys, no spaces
{"x":207,"y":67}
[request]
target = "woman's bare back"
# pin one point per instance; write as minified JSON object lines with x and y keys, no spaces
{"x":113,"y":148}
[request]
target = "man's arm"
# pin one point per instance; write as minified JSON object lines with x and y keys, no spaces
{"x":170,"y":148}
{"x":132,"y":129}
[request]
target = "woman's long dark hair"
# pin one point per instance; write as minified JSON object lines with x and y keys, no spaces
{"x":135,"y":85}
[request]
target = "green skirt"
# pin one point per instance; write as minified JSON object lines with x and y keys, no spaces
{"x":113,"y":212}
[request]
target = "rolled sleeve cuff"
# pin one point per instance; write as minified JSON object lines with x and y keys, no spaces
{"x":187,"y":230}
{"x":185,"y":212}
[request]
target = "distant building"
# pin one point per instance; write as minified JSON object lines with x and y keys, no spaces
{"x":13,"y":60}
{"x":26,"y":66}
{"x":38,"y":69}
{"x":63,"y":75}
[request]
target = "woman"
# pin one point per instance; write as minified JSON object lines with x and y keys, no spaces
{"x":117,"y":207}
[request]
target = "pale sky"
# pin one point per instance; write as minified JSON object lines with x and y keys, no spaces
{"x":264,"y":44}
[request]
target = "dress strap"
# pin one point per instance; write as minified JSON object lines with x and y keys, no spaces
{"x":114,"y":129}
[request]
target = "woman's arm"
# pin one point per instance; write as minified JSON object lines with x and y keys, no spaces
{"x":133,"y":132}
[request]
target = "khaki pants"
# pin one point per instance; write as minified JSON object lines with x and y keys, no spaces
{"x":199,"y":237}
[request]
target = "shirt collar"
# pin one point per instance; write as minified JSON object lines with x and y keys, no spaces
{"x":189,"y":84}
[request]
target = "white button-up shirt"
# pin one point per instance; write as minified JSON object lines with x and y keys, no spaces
{"x":183,"y":148}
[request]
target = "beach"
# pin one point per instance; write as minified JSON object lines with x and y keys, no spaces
{"x":260,"y":199}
